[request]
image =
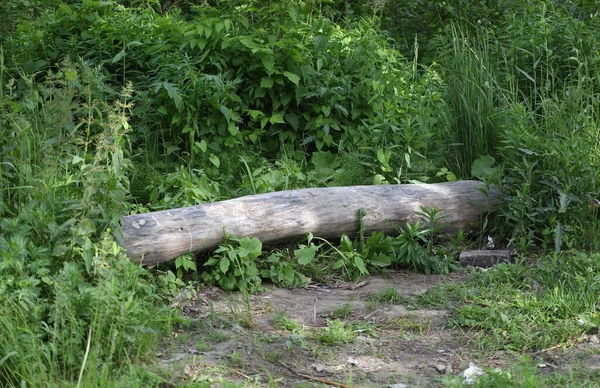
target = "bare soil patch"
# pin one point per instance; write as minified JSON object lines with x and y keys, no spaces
{"x":237,"y":337}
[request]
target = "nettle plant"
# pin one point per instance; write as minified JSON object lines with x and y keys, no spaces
{"x":233,"y":264}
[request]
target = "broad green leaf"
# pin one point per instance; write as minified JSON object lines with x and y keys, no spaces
{"x":292,"y":119}
{"x":380,"y":260}
{"x":381,"y":156}
{"x":563,"y":201}
{"x":338,"y":264}
{"x":482,"y":167}
{"x":266,"y":82}
{"x":285,"y":99}
{"x":117,"y":160}
{"x":379,"y":179}
{"x":305,"y":255}
{"x":320,"y":42}
{"x":248,"y":42}
{"x":324,"y":160}
{"x":558,"y":237}
{"x":277,"y":118}
{"x":228,"y":283}
{"x":200,"y":42}
{"x":118,"y":57}
{"x":292,"y":77}
{"x":346,"y":244}
{"x":233,"y":129}
{"x":223,"y":109}
{"x":203,"y":145}
{"x":264,"y":122}
{"x":253,"y":246}
{"x":288,"y":274}
{"x":268,"y":62}
{"x":360,"y":264}
{"x":174,"y":94}
{"x":214,"y":159}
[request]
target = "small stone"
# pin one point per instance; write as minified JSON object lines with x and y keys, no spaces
{"x":397,"y":385}
{"x":484,"y":258}
{"x":542,"y":365}
{"x":440,"y":367}
{"x":449,"y":370}
{"x":594,"y":339}
{"x":363,"y":338}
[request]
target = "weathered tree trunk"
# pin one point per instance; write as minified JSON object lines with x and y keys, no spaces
{"x":286,"y":215}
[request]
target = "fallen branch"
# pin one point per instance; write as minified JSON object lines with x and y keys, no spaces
{"x":328,"y":212}
{"x":317,"y":379}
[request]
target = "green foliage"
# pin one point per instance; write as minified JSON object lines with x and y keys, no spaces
{"x":247,"y":97}
{"x":550,"y":145}
{"x":185,"y":263}
{"x":341,"y":312}
{"x":337,"y":332}
{"x":282,"y":321}
{"x":416,"y":245}
{"x":523,"y":374}
{"x":418,"y":21}
{"x":520,"y":308}
{"x":233,"y":264}
{"x":388,"y":295}
{"x":307,"y":84}
{"x":283,"y":271}
{"x":473,"y":116}
{"x":65,"y":285}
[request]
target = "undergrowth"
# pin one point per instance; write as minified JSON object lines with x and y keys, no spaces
{"x":525,"y":307}
{"x":109,"y":108}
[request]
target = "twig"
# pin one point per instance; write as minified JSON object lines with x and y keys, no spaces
{"x":571,"y":342}
{"x":243,"y":375}
{"x":359,"y":285}
{"x":315,"y":313}
{"x":369,"y":316}
{"x":317,"y":379}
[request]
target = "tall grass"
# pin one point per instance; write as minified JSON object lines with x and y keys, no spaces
{"x":72,"y":307}
{"x":550,"y":143}
{"x":526,"y":94}
{"x":472,"y":96}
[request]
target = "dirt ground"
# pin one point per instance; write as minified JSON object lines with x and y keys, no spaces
{"x":237,"y":338}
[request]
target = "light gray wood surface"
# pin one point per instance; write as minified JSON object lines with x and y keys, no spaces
{"x":155,"y":237}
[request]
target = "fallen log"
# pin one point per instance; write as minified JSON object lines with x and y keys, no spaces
{"x":151,"y":238}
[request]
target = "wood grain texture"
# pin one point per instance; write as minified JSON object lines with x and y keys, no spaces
{"x":155,"y":237}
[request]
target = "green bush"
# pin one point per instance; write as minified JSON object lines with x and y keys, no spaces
{"x":222,"y":82}
{"x":66,"y":288}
